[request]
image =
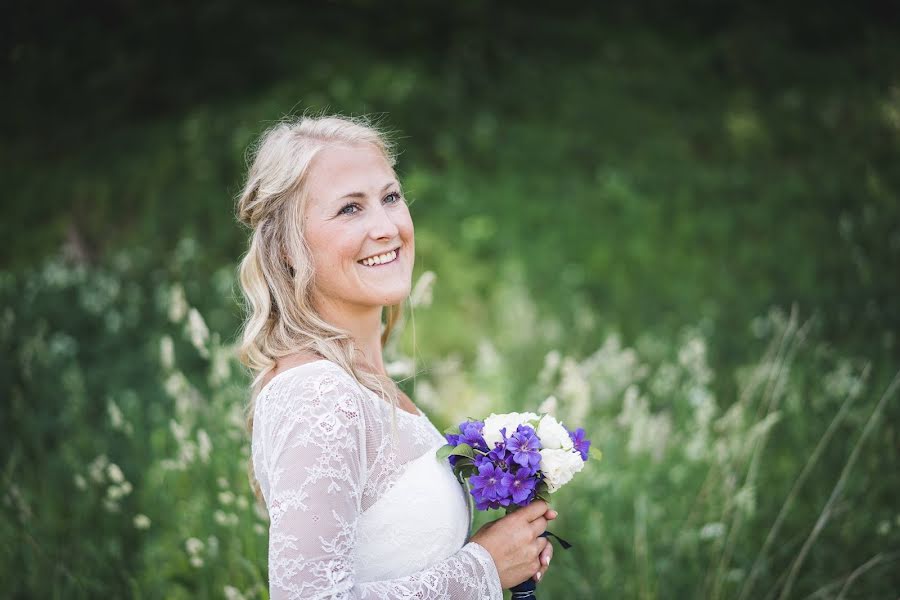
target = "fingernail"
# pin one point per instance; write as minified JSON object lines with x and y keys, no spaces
{"x":546,"y":561}
{"x":538,"y":576}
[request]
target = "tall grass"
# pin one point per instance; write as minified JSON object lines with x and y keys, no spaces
{"x":125,"y":451}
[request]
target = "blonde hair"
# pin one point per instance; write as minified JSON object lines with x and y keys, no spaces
{"x":280,"y":318}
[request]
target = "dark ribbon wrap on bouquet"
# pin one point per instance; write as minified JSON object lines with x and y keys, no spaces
{"x":526,"y":589}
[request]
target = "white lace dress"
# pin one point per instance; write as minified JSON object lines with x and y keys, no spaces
{"x":353,"y":515}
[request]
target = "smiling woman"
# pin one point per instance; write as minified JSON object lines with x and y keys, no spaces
{"x":346,"y":245}
{"x":358,"y":504}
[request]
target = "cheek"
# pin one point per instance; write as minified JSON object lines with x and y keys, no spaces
{"x":406,"y":226}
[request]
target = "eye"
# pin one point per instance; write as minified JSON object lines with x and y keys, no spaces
{"x":397,"y":197}
{"x":344,"y":210}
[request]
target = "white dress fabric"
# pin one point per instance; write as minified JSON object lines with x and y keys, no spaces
{"x":354,"y":512}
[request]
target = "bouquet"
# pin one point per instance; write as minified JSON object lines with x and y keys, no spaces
{"x":512,"y":459}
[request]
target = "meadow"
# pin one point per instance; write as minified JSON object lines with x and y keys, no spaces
{"x":686,"y":244}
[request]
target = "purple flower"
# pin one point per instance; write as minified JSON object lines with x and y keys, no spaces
{"x":488,"y":488}
{"x":500,"y":454}
{"x":470,"y":433}
{"x":521,"y":485}
{"x":481,"y":459}
{"x":524,"y":446}
{"x":581,"y":444}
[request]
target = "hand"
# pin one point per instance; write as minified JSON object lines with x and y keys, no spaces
{"x":515,"y":544}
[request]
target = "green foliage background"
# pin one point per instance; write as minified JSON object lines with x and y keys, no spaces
{"x":684,"y":225}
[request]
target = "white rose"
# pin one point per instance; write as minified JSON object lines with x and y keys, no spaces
{"x":511,"y":421}
{"x":553,"y":436}
{"x":559,"y":466}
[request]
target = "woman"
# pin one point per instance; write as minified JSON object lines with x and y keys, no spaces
{"x":358,"y":504}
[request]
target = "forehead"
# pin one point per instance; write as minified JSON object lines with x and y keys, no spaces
{"x":341,"y":169}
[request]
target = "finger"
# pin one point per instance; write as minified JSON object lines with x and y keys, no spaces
{"x":542,"y":570}
{"x":538,"y":526}
{"x":546,"y":554}
{"x":544,"y":559}
{"x":550,"y":514}
{"x":535,"y":510}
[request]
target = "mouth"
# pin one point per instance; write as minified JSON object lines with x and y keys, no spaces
{"x":381,"y":260}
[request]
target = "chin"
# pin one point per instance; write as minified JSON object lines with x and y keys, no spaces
{"x":395,"y":299}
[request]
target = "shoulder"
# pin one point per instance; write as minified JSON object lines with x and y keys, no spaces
{"x":320,"y":374}
{"x":316,"y":390}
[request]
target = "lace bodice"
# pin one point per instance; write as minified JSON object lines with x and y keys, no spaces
{"x":354,"y":512}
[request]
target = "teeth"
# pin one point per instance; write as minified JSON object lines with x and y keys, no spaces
{"x":380,"y":259}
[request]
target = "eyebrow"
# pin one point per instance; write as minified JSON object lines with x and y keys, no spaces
{"x":362,"y":195}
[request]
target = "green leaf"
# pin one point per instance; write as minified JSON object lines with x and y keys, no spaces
{"x":444,"y":451}
{"x":595,"y":453}
{"x":463,"y":450}
{"x":464,"y":462}
{"x":452,"y":430}
{"x":469,"y":470}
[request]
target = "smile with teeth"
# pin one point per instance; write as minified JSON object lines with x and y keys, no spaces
{"x":379,"y":259}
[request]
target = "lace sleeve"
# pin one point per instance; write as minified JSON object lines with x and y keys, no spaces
{"x":312,"y":468}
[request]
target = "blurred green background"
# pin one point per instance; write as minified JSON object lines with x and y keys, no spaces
{"x":682,"y":223}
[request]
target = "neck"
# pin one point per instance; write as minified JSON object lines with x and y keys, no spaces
{"x":364,"y":326}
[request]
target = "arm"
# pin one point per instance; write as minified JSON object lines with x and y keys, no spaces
{"x":315,"y":461}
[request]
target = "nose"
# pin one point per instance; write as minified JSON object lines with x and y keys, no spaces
{"x":382,"y":225}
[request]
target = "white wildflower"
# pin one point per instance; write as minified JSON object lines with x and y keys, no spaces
{"x":193,"y":545}
{"x":549,"y":406}
{"x":204,"y":445}
{"x":745,"y":500}
{"x":167,"y":352}
{"x":115,"y":473}
{"x":80,"y":482}
{"x":647,"y":432}
{"x":196,"y":562}
{"x":226,"y":498}
{"x":220,"y":369}
{"x":178,"y":306}
{"x":179,"y":431}
{"x":664,"y":380}
{"x":711,"y":531}
{"x":422,"y":292}
{"x":692,"y":356}
{"x":488,"y":359}
{"x":116,"y":418}
{"x":551,"y":366}
{"x":198,"y":332}
{"x":575,"y":390}
{"x":402,"y":367}
{"x":232,"y":593}
{"x":97,"y":468}
{"x":141,"y":521}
